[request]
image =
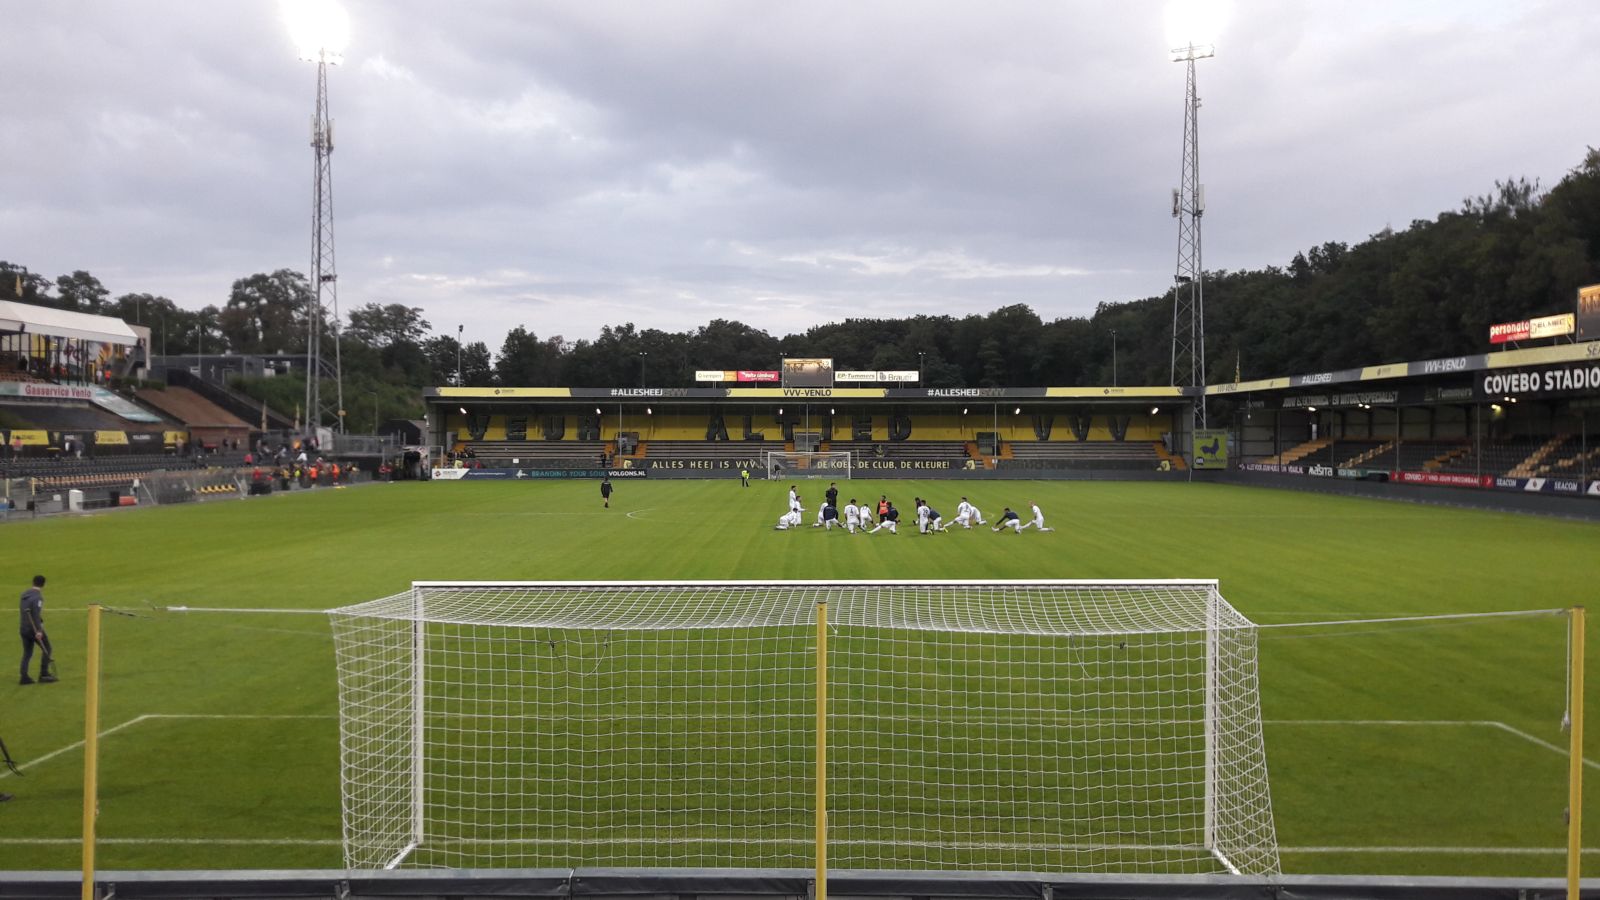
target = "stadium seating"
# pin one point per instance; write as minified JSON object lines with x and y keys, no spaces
{"x":905,"y":450}
{"x":1357,"y":452}
{"x":730,"y":450}
{"x":1568,"y":455}
{"x":537,"y":454}
{"x":64,"y":470}
{"x":1082,"y":454}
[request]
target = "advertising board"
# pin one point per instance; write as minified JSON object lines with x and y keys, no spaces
{"x":807,"y":372}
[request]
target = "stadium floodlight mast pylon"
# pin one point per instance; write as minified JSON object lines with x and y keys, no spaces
{"x":1188,"y":284}
{"x":319,"y":29}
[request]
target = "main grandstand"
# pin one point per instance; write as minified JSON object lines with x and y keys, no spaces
{"x":1510,"y":421}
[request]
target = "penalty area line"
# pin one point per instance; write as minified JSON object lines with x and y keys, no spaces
{"x":78,"y":745}
{"x":193,"y":842}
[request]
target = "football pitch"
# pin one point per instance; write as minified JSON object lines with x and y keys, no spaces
{"x":1410,"y":748}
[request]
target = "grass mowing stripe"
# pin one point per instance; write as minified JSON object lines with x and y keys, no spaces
{"x":1485,"y":723}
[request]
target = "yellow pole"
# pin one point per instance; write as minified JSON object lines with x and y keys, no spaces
{"x":91,"y":749}
{"x":822,"y":750}
{"x":1575,"y":761}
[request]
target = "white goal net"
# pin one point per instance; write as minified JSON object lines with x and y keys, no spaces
{"x":784,"y":465}
{"x":981,"y":726}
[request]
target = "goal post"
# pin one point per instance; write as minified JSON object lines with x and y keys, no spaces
{"x":1047,"y":726}
{"x":833,"y":465}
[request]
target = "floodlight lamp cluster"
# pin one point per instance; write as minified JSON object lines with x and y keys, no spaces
{"x":319,"y":28}
{"x":1193,"y":51}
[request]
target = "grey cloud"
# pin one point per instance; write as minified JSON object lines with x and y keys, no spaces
{"x":568,"y":165}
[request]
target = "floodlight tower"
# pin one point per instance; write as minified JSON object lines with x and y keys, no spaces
{"x":319,"y":29}
{"x":1188,"y":207}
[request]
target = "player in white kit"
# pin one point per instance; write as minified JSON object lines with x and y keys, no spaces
{"x":966,"y":514}
{"x":1038,"y":519}
{"x":791,"y":519}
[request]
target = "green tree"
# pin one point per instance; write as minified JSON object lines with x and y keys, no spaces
{"x":35,"y":288}
{"x":81,"y":292}
{"x":267,"y":313}
{"x":386,"y":325}
{"x":526,"y":360}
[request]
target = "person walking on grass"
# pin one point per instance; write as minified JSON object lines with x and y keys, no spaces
{"x":32,"y":623}
{"x":605,"y":491}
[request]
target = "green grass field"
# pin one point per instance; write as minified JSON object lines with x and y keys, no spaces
{"x":1417,"y":748}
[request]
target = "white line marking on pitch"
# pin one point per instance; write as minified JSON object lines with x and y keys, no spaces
{"x":1480,"y":723}
{"x":635,"y":513}
{"x":76,"y":745}
{"x":201,"y":842}
{"x":334,"y":842}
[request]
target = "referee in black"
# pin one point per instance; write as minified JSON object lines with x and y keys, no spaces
{"x":605,"y":490}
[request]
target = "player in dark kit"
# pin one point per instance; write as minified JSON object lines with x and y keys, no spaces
{"x":830,"y":517}
{"x":890,"y":519}
{"x":1009,"y":519}
{"x":832,"y":493}
{"x":605,"y":491}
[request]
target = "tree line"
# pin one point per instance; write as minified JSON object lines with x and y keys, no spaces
{"x":1429,"y":290}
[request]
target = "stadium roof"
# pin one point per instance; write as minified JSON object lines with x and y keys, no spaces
{"x":25,"y":318}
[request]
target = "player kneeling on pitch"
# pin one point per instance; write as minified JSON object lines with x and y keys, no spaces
{"x":852,"y":516}
{"x":889,"y":518}
{"x":1009,"y":518}
{"x":791,"y":519}
{"x":966,"y":514}
{"x":830,"y":516}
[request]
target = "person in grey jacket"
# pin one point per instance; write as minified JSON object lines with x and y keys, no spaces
{"x":32,"y":622}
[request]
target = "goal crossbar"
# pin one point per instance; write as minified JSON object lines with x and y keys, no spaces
{"x":1040,"y":725}
{"x":782,"y":464}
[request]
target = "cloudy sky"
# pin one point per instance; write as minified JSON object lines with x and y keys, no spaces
{"x":565,"y":165}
